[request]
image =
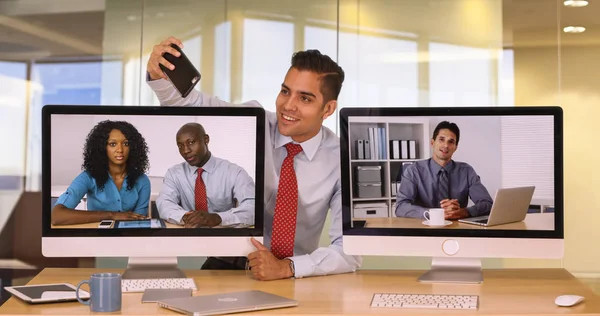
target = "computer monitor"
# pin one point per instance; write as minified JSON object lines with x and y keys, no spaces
{"x":507,"y":161}
{"x":153,"y":243}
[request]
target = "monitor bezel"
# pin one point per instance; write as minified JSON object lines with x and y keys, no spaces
{"x":257,"y":112}
{"x":555,"y":111}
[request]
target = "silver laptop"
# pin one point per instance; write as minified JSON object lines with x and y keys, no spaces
{"x":510,"y":205}
{"x":226,"y":303}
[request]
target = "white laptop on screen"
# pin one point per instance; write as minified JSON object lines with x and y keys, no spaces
{"x":226,"y":303}
{"x":510,"y":205}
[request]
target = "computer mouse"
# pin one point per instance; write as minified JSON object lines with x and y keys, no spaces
{"x":568,"y":300}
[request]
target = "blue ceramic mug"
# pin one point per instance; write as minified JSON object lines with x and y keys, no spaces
{"x":105,"y":292}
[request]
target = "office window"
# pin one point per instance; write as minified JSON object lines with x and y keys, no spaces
{"x":460,"y":75}
{"x":387,"y":71}
{"x":137,"y":91}
{"x":506,"y":78}
{"x":134,"y":77}
{"x":325,"y":41}
{"x":68,"y":83}
{"x":222,"y":62}
{"x":267,"y":49}
{"x":13,"y":85}
{"x":379,"y":70}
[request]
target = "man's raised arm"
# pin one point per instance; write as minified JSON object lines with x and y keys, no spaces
{"x":164,"y":90}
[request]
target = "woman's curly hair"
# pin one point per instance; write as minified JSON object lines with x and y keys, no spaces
{"x":95,"y":158}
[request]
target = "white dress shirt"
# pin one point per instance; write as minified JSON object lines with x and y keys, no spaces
{"x":225,"y":184}
{"x":319,"y":187}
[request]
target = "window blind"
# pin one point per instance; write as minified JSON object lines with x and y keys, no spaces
{"x":528,"y":154}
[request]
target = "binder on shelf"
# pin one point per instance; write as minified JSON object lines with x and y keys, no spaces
{"x":377,"y":146}
{"x":394,"y":149}
{"x":412,"y":149}
{"x":372,"y":143}
{"x":360,"y":149}
{"x":367,"y":149}
{"x":382,"y":143}
{"x":403,"y":149}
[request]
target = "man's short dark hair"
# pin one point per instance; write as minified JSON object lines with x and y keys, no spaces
{"x":447,"y":125}
{"x":332,"y":75}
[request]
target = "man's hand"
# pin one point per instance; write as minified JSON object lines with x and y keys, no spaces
{"x":449,"y":205}
{"x":265,"y":266}
{"x":156,"y":57}
{"x":452,"y":209}
{"x":195,"y":219}
{"x":127,"y":216}
{"x":458,"y":214}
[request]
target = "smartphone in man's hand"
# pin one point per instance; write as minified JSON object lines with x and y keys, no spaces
{"x":185,"y":76}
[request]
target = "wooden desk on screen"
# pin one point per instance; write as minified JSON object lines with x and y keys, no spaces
{"x":533,"y":221}
{"x":503,"y":292}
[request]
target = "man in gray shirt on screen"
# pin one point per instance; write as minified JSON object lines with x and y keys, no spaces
{"x":440,"y":182}
{"x":203,"y":191}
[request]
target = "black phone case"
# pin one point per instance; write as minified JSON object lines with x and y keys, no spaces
{"x":185,"y":76}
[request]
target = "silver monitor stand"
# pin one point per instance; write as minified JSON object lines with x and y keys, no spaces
{"x":152,"y":268}
{"x":454,"y":270}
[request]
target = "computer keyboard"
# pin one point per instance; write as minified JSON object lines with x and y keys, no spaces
{"x":434,"y":301}
{"x":140,"y":285}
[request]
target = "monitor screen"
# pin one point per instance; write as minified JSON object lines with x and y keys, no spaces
{"x":118,"y":171}
{"x":418,"y":177}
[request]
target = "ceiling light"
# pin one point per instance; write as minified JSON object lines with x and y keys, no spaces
{"x":574,"y":29}
{"x":575,"y":3}
{"x":131,"y":18}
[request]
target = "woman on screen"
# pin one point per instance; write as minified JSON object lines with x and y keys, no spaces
{"x":115,"y":159}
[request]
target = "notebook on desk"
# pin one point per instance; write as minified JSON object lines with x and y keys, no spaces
{"x":226,"y":303}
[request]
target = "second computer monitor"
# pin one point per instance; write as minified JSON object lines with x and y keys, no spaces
{"x":452,"y":183}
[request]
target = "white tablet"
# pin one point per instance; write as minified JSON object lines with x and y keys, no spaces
{"x":47,"y":293}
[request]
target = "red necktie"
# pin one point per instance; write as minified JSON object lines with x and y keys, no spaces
{"x":286,"y":206}
{"x":200,"y":193}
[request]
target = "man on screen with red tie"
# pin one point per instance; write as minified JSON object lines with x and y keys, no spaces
{"x":203,"y":190}
{"x":302,"y":166}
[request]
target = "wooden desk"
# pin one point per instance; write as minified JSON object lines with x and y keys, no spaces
{"x":533,"y":221}
{"x":503,"y":292}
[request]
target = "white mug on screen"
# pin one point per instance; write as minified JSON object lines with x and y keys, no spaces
{"x":435,"y":216}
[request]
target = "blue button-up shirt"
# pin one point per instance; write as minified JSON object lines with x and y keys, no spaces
{"x":110,"y":198}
